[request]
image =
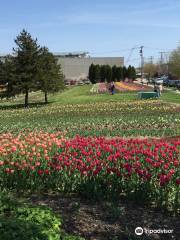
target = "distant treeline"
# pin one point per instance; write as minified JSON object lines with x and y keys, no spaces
{"x":102,"y":73}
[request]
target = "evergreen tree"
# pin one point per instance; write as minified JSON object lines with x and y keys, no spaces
{"x":124,"y":73}
{"x":129,"y":72}
{"x":97,"y":73}
{"x":133,"y":73}
{"x":119,"y":74}
{"x":26,"y":60}
{"x":108,"y":73}
{"x":1,"y":72}
{"x":49,"y":77}
{"x":114,"y":73}
{"x":92,"y":74}
{"x":8,"y":77}
{"x":103,"y":73}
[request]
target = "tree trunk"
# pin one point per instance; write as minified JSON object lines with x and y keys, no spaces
{"x":46,"y":98}
{"x":26,"y":99}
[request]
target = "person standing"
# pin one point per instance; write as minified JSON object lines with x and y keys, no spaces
{"x":160,"y":89}
{"x":112,"y":88}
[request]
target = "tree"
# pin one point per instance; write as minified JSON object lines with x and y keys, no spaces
{"x":97,"y":73}
{"x":26,"y":61}
{"x":133,"y":73}
{"x":124,"y":73}
{"x":128,"y":73}
{"x":49,"y":76}
{"x":1,"y":72}
{"x":92,"y":74}
{"x":103,"y":73}
{"x":174,"y":62}
{"x":119,"y":74}
{"x":108,"y":73}
{"x":150,"y":69}
{"x":8,"y":77}
{"x":114,"y":73}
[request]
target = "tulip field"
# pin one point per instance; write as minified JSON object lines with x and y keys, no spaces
{"x":92,"y":165}
{"x":104,"y":149}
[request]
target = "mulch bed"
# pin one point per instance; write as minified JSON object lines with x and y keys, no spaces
{"x":100,"y":221}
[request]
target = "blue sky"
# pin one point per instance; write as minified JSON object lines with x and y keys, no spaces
{"x":101,"y":27}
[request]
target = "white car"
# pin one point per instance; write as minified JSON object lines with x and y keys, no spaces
{"x":159,"y":80}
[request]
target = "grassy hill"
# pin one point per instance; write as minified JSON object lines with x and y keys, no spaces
{"x":82,"y":95}
{"x":77,"y":111}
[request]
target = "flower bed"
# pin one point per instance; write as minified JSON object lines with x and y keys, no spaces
{"x":99,"y":88}
{"x":102,"y":88}
{"x":147,"y":170}
{"x":124,"y":86}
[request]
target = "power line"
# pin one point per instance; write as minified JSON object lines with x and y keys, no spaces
{"x":130,"y":54}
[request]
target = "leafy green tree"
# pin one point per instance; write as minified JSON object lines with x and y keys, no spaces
{"x":174,"y":62}
{"x":49,"y":77}
{"x":26,"y":61}
{"x":150,"y":69}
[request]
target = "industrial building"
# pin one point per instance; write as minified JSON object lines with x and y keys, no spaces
{"x":75,"y":65}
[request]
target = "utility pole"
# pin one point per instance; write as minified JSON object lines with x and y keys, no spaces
{"x":161,"y":57}
{"x":167,"y":62}
{"x":164,"y":55}
{"x":142,"y":62}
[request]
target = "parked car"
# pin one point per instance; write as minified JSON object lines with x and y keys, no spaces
{"x":172,"y":83}
{"x":178,"y":84}
{"x":159,"y":80}
{"x":80,"y":83}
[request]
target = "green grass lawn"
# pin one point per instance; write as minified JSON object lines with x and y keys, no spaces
{"x":171,"y":97}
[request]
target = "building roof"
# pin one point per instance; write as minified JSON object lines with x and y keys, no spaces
{"x":64,"y":54}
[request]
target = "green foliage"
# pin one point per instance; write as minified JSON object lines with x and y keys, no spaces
{"x":131,"y":72}
{"x":114,"y":73}
{"x":97,"y":73}
{"x":49,"y":77}
{"x":92,"y":73}
{"x":102,"y":73}
{"x":174,"y":63}
{"x":29,"y":69}
{"x":124,"y":73}
{"x":8,"y":77}
{"x":108,"y":73}
{"x":19,"y":220}
{"x":26,"y":61}
{"x":119,"y":73}
{"x":22,"y":221}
